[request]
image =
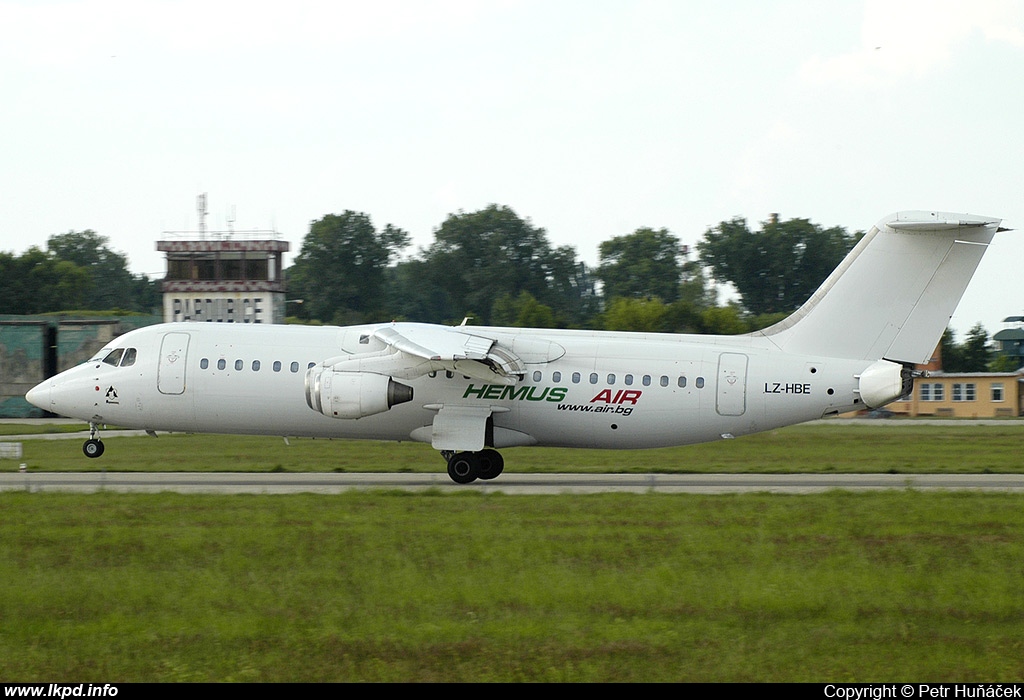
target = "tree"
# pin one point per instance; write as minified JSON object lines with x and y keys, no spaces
{"x":631,"y":314}
{"x":724,"y":320}
{"x":950,"y":352}
{"x":642,"y":264}
{"x":777,"y":268}
{"x":523,"y":311}
{"x":340,"y":270}
{"x":973,"y":355}
{"x":977,"y":350}
{"x":411,"y":294}
{"x":479,"y":257}
{"x":110,"y":282}
{"x":37,"y":282}
{"x":1004,"y":363}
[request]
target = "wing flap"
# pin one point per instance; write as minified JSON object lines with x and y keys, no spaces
{"x":412,"y":350}
{"x":453,"y":350}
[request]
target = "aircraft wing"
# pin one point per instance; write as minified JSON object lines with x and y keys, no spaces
{"x":414,"y":349}
{"x":454,"y":350}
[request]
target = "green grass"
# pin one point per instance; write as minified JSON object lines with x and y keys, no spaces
{"x":395,"y":587}
{"x":816,"y":448}
{"x":42,"y":429}
{"x":389,"y":586}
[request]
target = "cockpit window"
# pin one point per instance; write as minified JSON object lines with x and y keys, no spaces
{"x":120,"y":357}
{"x":113,"y":357}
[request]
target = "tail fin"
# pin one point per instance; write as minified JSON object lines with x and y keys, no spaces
{"x":893,"y":295}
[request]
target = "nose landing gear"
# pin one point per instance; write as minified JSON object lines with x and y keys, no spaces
{"x":93,"y":447}
{"x":466,"y":467}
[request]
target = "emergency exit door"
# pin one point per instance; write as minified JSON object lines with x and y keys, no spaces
{"x":170,"y":373}
{"x":732,"y":384}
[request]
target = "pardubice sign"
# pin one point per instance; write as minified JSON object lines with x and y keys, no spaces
{"x":224,"y":308}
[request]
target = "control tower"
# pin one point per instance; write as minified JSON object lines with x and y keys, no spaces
{"x":223,"y":276}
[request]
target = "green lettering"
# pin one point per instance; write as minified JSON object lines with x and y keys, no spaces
{"x":516,"y":394}
{"x":531,"y":397}
{"x":493,"y":391}
{"x":558,"y":393}
{"x":479,"y":393}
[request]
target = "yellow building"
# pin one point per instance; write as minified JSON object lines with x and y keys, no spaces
{"x":964,"y":395}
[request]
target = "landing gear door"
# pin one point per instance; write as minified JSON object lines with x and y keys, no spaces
{"x":461,"y":428}
{"x":732,"y":384}
{"x":170,"y":373}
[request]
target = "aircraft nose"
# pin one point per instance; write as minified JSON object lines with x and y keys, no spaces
{"x":39,"y":395}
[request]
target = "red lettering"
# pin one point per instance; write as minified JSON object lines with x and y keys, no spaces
{"x":605,"y":395}
{"x":630,"y":396}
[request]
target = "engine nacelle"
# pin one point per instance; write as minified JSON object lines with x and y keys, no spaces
{"x":881,"y":383}
{"x":353,"y":395}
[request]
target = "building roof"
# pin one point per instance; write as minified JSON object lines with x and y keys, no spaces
{"x":211,"y":246}
{"x":1010,"y":334}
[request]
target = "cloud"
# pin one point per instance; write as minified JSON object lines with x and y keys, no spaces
{"x":903,"y":39}
{"x":49,"y":34}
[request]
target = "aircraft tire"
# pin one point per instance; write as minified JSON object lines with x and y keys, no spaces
{"x":463,"y":467}
{"x":490,"y":464}
{"x":92,"y":448}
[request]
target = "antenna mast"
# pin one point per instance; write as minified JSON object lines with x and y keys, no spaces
{"x":201,"y":210}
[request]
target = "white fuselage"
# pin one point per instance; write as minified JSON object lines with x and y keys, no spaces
{"x":579,"y":388}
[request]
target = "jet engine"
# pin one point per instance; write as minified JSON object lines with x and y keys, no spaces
{"x":882,"y":382}
{"x":353,"y":394}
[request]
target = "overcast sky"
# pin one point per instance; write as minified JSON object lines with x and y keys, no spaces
{"x":591,"y":118}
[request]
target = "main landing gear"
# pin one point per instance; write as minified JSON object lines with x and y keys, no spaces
{"x":93,"y":447}
{"x":466,"y":467}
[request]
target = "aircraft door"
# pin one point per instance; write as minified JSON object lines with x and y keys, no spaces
{"x":170,"y":374}
{"x":731,"y":398}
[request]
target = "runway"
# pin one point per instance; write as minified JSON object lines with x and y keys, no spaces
{"x":512,"y":484}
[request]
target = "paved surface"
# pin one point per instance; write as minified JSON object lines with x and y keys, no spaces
{"x":88,"y":482}
{"x":510,"y":483}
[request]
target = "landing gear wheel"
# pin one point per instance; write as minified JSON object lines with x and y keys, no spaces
{"x":92,"y":448}
{"x":463,"y":467}
{"x":489,"y":464}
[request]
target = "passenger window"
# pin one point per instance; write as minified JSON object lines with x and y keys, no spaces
{"x":255,"y":365}
{"x":682,"y":382}
{"x":700,"y":382}
{"x":647,"y":380}
{"x":593,"y":378}
{"x":204,"y":363}
{"x":628,"y":379}
{"x":664,"y":380}
{"x":295,"y":367}
{"x":556,"y":377}
{"x":311,"y":365}
{"x":575,"y":377}
{"x":277,"y":365}
{"x":113,"y":357}
{"x":239,"y":365}
{"x":129,"y":357}
{"x":221,"y":363}
{"x":611,"y":378}
{"x":537,"y":375}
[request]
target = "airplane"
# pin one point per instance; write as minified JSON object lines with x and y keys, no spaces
{"x":470,"y":391}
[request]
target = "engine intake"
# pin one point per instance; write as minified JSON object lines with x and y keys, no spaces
{"x":353,"y":395}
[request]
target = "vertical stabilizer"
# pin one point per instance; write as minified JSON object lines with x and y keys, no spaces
{"x":893,"y":295}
